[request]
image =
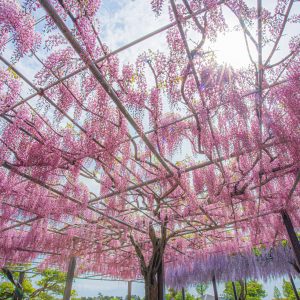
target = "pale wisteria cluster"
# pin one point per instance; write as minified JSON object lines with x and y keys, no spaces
{"x":261,"y":265}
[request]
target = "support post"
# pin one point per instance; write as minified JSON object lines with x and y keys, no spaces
{"x":161,"y":281}
{"x":294,"y":287}
{"x":18,"y":293}
{"x":292,"y":235}
{"x":129,"y":290}
{"x":183,"y":293}
{"x":70,"y":277}
{"x":215,"y":287}
{"x":234,"y":291}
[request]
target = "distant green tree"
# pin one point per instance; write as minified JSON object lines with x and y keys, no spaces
{"x":177,"y":295}
{"x":171,"y":295}
{"x":102,"y":297}
{"x":133,"y":297}
{"x":7,"y":288}
{"x":240,"y":287}
{"x":50,"y":285}
{"x":201,"y":289}
{"x":288,"y":291}
{"x":277,"y":294}
{"x":253,"y":291}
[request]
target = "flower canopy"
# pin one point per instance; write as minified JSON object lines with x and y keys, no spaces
{"x":121,"y":159}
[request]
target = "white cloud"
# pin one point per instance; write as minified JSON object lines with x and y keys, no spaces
{"x":124,"y":21}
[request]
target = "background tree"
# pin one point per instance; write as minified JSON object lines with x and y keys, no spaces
{"x":228,"y":292}
{"x":254,"y":290}
{"x":102,"y":297}
{"x":7,"y":288}
{"x":177,"y":295}
{"x":133,"y":297}
{"x":288,"y":291}
{"x":201,"y":289}
{"x":172,"y":293}
{"x":277,"y":294}
{"x":50,"y":285}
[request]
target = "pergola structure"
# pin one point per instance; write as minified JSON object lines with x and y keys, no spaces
{"x":92,"y":172}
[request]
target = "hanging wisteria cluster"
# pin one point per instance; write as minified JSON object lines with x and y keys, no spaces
{"x":91,"y":145}
{"x":265,"y":264}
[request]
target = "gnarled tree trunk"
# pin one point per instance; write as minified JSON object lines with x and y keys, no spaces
{"x":153,"y":274}
{"x":153,"y":271}
{"x":151,"y":287}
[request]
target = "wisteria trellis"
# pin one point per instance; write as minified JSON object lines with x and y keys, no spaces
{"x":84,"y":126}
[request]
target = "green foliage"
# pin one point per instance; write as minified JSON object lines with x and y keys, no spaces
{"x":277,"y":294}
{"x":228,"y":292}
{"x":254,"y":290}
{"x":201,"y":289}
{"x":288,"y":291}
{"x":8,"y":288}
{"x":50,"y":285}
{"x":101,"y":297}
{"x":256,"y":251}
{"x":177,"y":295}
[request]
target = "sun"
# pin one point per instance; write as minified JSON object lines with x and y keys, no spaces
{"x":230,"y":49}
